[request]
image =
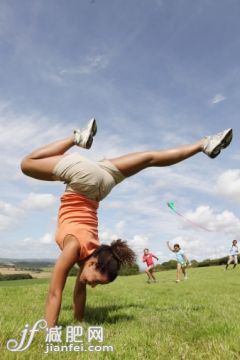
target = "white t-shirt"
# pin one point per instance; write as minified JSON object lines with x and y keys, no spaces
{"x":233,"y":250}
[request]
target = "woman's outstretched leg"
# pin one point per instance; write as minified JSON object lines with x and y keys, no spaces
{"x":133,"y":163}
{"x":40,"y":163}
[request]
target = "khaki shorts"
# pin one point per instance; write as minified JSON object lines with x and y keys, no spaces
{"x":92,"y":179}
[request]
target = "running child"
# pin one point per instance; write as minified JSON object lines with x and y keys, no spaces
{"x":233,"y":255}
{"x":182,"y":260}
{"x":148,"y":259}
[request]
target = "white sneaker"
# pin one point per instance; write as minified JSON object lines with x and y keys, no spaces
{"x":215,"y":143}
{"x":84,"y":137}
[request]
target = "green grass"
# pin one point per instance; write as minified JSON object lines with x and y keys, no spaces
{"x":14,"y":283}
{"x":195,"y":319}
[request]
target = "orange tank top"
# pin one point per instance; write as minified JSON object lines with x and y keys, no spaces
{"x":77,"y":216}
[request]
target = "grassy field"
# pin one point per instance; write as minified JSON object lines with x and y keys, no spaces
{"x":195,"y":319}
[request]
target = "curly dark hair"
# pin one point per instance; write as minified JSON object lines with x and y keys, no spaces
{"x":111,"y":257}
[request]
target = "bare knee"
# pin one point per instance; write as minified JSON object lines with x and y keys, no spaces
{"x":25,"y":165}
{"x":38,"y":168}
{"x":151,"y":158}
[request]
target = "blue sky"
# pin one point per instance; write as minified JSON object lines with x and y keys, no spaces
{"x":155,"y":74}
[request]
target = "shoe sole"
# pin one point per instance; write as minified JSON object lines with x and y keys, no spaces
{"x":225,"y":141}
{"x":92,"y":128}
{"x":89,"y":142}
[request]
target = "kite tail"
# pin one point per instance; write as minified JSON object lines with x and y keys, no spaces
{"x":191,"y":222}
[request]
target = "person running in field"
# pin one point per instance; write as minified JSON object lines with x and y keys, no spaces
{"x":148,"y":259}
{"x":233,"y":255}
{"x":88,"y":183}
{"x":182,"y":260}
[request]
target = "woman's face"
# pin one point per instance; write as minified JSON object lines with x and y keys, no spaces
{"x":92,"y":276}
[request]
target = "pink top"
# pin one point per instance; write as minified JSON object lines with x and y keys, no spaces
{"x":149,"y":259}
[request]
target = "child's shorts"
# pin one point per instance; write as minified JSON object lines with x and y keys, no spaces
{"x":150,"y":267}
{"x":183,"y":264}
{"x":92,"y":179}
{"x":233,"y":258}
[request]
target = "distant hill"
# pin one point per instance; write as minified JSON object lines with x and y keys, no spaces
{"x":28,"y":263}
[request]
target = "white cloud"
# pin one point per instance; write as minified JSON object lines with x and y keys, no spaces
{"x":27,"y":131}
{"x":228,"y":184}
{"x":5,"y":222}
{"x":89,"y":65}
{"x":104,"y":236}
{"x":24,"y":132}
{"x":25,"y":241}
{"x":46,"y":239}
{"x":55,"y":79}
{"x":34,"y":247}
{"x":172,"y":177}
{"x":225,"y":222}
{"x":38,"y":201}
{"x":217,"y":99}
{"x":4,"y":104}
{"x":114,"y":204}
{"x":186,"y":243}
{"x":9,"y":210}
{"x":38,"y":243}
{"x":199,"y":247}
{"x":107,"y":236}
{"x":9,"y":215}
{"x":120,"y":226}
{"x":138,"y":243}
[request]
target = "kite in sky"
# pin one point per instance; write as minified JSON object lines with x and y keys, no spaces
{"x":171,"y":206}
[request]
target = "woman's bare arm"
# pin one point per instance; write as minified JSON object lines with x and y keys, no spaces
{"x":79,"y":298}
{"x":66,"y":260}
